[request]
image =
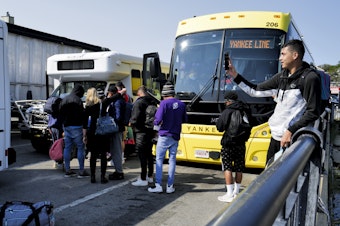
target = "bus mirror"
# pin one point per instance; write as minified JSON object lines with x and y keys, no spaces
{"x":151,"y":65}
{"x":155,"y":69}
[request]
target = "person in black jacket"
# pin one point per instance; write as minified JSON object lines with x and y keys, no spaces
{"x":296,"y":90}
{"x":116,"y":108}
{"x":71,"y":115}
{"x":233,"y":151}
{"x":143,"y":136}
{"x":96,"y":145}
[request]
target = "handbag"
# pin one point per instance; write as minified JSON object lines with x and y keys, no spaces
{"x":129,"y":136}
{"x":56,"y":150}
{"x":106,"y":125}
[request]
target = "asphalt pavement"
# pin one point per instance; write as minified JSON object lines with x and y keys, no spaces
{"x":78,"y":202}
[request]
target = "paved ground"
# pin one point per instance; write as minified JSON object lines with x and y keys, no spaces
{"x":78,"y":202}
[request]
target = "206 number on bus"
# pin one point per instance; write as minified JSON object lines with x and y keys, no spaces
{"x":272,"y":24}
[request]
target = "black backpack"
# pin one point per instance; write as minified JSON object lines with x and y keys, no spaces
{"x":239,"y":127}
{"x":127,"y":114}
{"x":52,"y":106}
{"x":150,"y":112}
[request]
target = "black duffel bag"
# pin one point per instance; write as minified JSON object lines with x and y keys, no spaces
{"x":27,"y":213}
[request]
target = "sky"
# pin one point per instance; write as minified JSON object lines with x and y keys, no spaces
{"x":136,"y":27}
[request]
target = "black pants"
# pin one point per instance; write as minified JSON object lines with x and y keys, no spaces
{"x":98,"y":146}
{"x":274,"y":147}
{"x":144,"y":149}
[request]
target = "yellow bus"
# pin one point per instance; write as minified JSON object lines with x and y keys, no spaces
{"x":253,"y":40}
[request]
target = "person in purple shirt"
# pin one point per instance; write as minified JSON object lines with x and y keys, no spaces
{"x":168,"y":120}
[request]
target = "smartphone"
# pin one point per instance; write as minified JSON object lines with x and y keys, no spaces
{"x":226,"y":61}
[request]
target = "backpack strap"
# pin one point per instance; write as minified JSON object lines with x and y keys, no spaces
{"x":307,"y":71}
{"x":35,"y":215}
{"x":303,"y":76}
{"x":2,"y":212}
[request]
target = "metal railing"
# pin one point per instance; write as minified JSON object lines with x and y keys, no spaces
{"x":286,"y":193}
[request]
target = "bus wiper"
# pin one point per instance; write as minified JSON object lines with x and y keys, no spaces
{"x":203,"y":91}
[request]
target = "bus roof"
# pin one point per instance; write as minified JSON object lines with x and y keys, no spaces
{"x":107,"y":65}
{"x":245,"y":19}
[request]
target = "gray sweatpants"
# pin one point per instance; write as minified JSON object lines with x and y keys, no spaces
{"x":116,"y":151}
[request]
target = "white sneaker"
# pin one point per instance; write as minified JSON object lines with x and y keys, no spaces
{"x":157,"y":189}
{"x":140,"y":182}
{"x":170,"y":189}
{"x":110,"y":163}
{"x":226,"y":198}
{"x":149,"y":179}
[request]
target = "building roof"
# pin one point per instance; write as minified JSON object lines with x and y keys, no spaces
{"x":15,"y":29}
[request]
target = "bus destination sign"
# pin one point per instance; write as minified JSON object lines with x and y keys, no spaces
{"x":251,"y":44}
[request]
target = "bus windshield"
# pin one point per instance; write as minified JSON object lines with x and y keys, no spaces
{"x":65,"y":88}
{"x":254,"y":53}
{"x":195,"y":60}
{"x":196,"y":57}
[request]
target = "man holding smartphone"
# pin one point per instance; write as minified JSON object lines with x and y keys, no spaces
{"x":297,"y":92}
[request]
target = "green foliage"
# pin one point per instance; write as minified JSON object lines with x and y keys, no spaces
{"x":333,"y":71}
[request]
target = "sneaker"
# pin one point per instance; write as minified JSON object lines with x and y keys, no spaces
{"x":103,"y":180}
{"x":157,"y":189}
{"x":140,"y":182}
{"x":108,"y":156}
{"x":60,"y":166}
{"x":170,"y":189}
{"x":116,"y":176}
{"x":149,"y":179}
{"x":83,"y":174}
{"x":110,"y":163}
{"x":226,"y":198}
{"x":70,"y":173}
{"x":123,"y":158}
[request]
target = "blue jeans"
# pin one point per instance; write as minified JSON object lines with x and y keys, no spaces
{"x":73,"y":135}
{"x":165,"y":143}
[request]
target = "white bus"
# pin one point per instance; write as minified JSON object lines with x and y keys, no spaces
{"x":5,"y":102}
{"x":90,"y":69}
{"x":99,"y":70}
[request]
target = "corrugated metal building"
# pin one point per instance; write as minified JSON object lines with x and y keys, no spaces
{"x":28,"y":51}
